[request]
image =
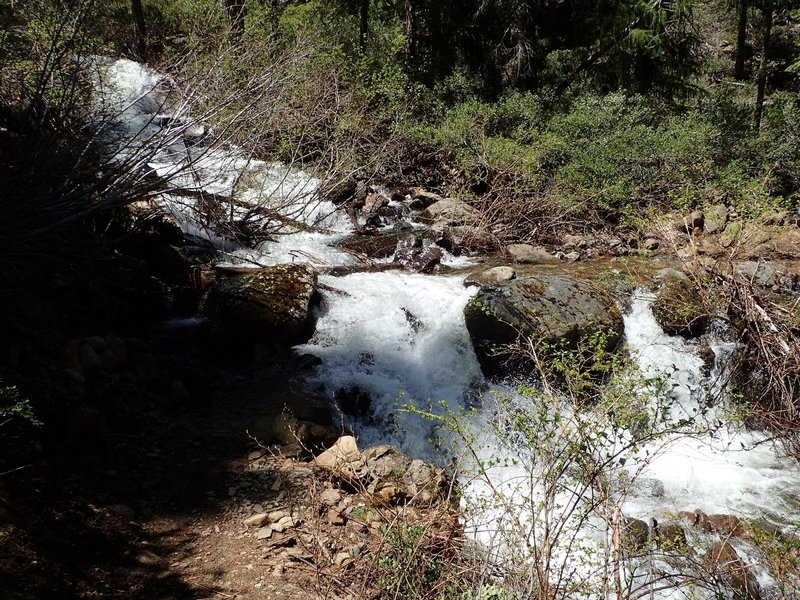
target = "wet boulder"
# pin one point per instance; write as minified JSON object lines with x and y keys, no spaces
{"x":548,"y":310}
{"x":373,"y":246}
{"x":271,"y":305}
{"x":635,"y":535}
{"x":724,"y":563}
{"x":490,"y":276}
{"x":679,"y":310}
{"x":413,"y":254}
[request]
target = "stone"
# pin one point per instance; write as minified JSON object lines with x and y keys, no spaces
{"x":373,"y":246}
{"x":725,"y":525}
{"x":178,"y":392}
{"x":651,"y":244}
{"x":271,"y":305}
{"x":97,"y":342}
{"x":696,"y":219}
{"x":353,"y":401}
{"x":680,"y":310}
{"x":90,"y":360}
{"x":549,"y":310}
{"x":264,"y":533}
{"x":669,"y":274}
{"x":277,"y":515}
{"x":572,"y":241}
{"x":724,"y":562}
{"x":635,"y":534}
{"x":74,"y":376}
{"x":490,"y":276}
{"x":341,"y":558}
{"x":414,"y":256}
{"x":256,"y":520}
{"x":330,"y":497}
{"x":470,"y":237}
{"x":716,"y":218}
{"x":761,"y":273}
{"x":421,"y":199}
{"x":696,"y":519}
{"x":397,"y":478}
{"x":776,"y":218}
{"x":335,"y":517}
{"x":572,"y":256}
{"x":450,"y":212}
{"x":670,"y":536}
{"x":343,"y":454}
{"x":527,"y":254}
{"x":373,"y":203}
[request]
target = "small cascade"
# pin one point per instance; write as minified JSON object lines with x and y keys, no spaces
{"x":399,"y":338}
{"x":393,"y":342}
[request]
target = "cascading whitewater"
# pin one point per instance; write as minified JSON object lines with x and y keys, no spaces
{"x":400,"y":338}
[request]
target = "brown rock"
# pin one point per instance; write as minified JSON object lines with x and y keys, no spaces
{"x":344,"y":454}
{"x":256,"y":520}
{"x":635,"y":534}
{"x":725,"y":525}
{"x":670,"y":536}
{"x":450,"y":212}
{"x":490,"y":276}
{"x":527,"y":254}
{"x":724,"y":562}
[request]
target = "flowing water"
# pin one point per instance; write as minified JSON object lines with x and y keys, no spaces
{"x":400,"y":340}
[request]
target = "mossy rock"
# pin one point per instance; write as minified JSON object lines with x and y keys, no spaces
{"x":680,"y":310}
{"x":272,"y":305}
{"x":551,"y":311}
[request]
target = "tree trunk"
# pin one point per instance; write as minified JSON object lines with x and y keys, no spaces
{"x":140,"y":33}
{"x":741,"y":41}
{"x":363,"y":26}
{"x":235,"y":11}
{"x":411,"y":29}
{"x":767,"y":11}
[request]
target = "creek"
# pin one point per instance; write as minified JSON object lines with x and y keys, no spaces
{"x":399,"y":339}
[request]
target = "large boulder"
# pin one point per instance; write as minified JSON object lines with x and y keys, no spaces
{"x":550,"y":310}
{"x":724,"y":563}
{"x":271,"y":305}
{"x":680,"y":310}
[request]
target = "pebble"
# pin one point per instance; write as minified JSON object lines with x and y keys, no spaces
{"x":264,"y":533}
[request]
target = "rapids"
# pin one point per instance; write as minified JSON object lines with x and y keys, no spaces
{"x":400,"y":339}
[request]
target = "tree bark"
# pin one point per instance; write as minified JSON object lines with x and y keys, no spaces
{"x":411,"y":28}
{"x":235,"y":11}
{"x":363,"y":28}
{"x":140,"y":32}
{"x":767,"y":11}
{"x":741,"y":41}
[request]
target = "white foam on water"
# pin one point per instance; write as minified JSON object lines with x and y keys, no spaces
{"x":730,"y":470}
{"x":399,"y":337}
{"x":140,"y":121}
